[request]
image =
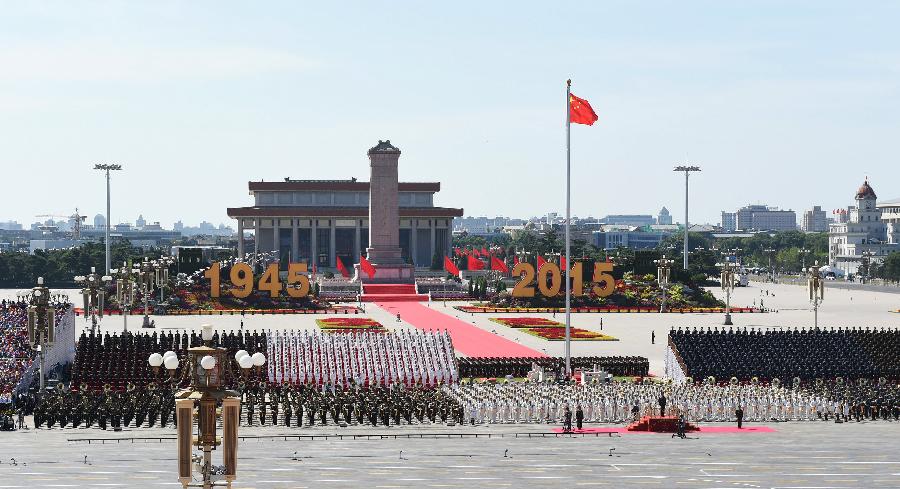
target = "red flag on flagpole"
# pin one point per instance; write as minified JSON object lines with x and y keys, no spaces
{"x":485,"y":252}
{"x":341,"y":268}
{"x":581,"y":112}
{"x":474,"y":263}
{"x":498,"y":265}
{"x":367,"y":267}
{"x":541,"y":262}
{"x":562,"y":263}
{"x":450,"y":266}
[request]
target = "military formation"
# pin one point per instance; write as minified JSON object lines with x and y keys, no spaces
{"x":625,"y":402}
{"x":520,"y":366}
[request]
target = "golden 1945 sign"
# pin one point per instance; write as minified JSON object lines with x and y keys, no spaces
{"x":296,"y":284}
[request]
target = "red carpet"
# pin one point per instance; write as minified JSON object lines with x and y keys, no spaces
{"x":702,"y":429}
{"x":468,"y":339}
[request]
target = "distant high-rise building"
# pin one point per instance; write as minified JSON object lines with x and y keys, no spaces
{"x":729,"y":221}
{"x":664,"y":217}
{"x":179,"y":226}
{"x":637,"y":220}
{"x":815,"y":220}
{"x":763,"y":218}
{"x":140,"y":221}
{"x":99,"y":221}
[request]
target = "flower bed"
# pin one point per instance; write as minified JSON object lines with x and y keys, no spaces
{"x":344,"y":325}
{"x":526,"y":322}
{"x":559,"y":334}
{"x":551,"y":330}
{"x":605,"y":309}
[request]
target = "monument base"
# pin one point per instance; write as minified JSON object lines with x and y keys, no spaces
{"x":388,"y":273}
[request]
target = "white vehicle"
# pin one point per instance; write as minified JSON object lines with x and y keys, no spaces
{"x":743,"y":278}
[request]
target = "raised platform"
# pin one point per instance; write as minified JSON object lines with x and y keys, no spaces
{"x":391,"y":293}
{"x":659,"y":424}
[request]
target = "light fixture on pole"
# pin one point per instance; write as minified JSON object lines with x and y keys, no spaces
{"x":803,"y":252}
{"x":145,"y":274}
{"x":94,"y":294}
{"x":41,"y":322}
{"x":663,"y":267}
{"x":207,"y":373}
{"x":866,"y":266}
{"x":771,"y":252}
{"x":687,"y":173}
{"x":107,"y":169}
{"x":816,"y":286}
{"x":124,"y":291}
{"x":727,"y":279}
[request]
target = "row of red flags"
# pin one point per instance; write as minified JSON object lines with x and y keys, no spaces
{"x":496,"y":264}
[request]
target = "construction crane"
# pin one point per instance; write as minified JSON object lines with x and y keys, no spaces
{"x":78,"y":218}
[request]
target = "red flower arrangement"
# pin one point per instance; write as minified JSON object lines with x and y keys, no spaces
{"x":339,"y":324}
{"x":527,"y":322}
{"x":577,"y":334}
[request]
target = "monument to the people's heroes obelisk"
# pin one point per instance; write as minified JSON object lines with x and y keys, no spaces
{"x":384,"y":219}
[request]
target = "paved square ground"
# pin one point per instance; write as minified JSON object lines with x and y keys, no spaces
{"x":797,"y":455}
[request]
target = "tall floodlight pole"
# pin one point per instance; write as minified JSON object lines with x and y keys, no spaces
{"x":687,"y":173}
{"x":107,"y":169}
{"x":727,"y":280}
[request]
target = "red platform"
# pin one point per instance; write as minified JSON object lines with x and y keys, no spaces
{"x":391,"y":293}
{"x":659,"y":424}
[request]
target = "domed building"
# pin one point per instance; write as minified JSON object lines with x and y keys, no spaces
{"x":872,"y":231}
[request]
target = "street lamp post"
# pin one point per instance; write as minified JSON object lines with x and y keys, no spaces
{"x":146,"y":276}
{"x":727,"y":280}
{"x":771,"y":252}
{"x":816,"y":286}
{"x":803,"y":252}
{"x":866,"y":265}
{"x":107,"y":169}
{"x":687,"y":172}
{"x":124,"y":291}
{"x":208,"y":371}
{"x":663,"y":267}
{"x":94,"y":294}
{"x":41,"y":322}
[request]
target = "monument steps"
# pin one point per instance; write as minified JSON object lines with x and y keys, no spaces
{"x":391,"y":293}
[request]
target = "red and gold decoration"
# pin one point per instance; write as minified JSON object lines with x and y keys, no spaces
{"x":551,"y":330}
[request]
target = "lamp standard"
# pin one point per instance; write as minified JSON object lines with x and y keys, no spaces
{"x":771,"y":252}
{"x":145,"y":274}
{"x":803,"y":252}
{"x":94,"y":294}
{"x":687,"y":173}
{"x":124,"y":291}
{"x":816,"y":286}
{"x":208,"y":372}
{"x":41,"y":322}
{"x":161,"y":267}
{"x":107,"y":169}
{"x":727,"y":280}
{"x":866,"y":265}
{"x":662,"y":277}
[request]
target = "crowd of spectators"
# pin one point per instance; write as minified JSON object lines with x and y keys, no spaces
{"x":15,"y":354}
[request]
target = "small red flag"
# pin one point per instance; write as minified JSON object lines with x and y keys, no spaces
{"x":541,"y":262}
{"x":580,"y":111}
{"x":515,"y":260}
{"x":476,"y":252}
{"x":341,"y":268}
{"x":367,"y":267}
{"x":562,"y":263}
{"x":498,"y":265}
{"x":450,"y":266}
{"x":456,"y":251}
{"x":485,"y":252}
{"x":475,"y":263}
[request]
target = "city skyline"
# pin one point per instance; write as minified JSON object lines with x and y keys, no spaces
{"x":193,"y":102}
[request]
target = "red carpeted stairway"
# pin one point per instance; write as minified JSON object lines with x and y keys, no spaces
{"x":658,"y":424}
{"x":391,"y":293}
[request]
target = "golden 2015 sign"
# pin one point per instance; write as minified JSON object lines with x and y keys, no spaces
{"x":296,"y":284}
{"x":549,"y":280}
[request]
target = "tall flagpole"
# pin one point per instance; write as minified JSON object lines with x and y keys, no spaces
{"x":568,"y":218}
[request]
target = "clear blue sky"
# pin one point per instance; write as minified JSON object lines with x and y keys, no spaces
{"x":785,"y":103}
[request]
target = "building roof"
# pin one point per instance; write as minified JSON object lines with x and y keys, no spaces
{"x":865,"y":191}
{"x":889,"y":203}
{"x":331,"y":211}
{"x":341,"y":185}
